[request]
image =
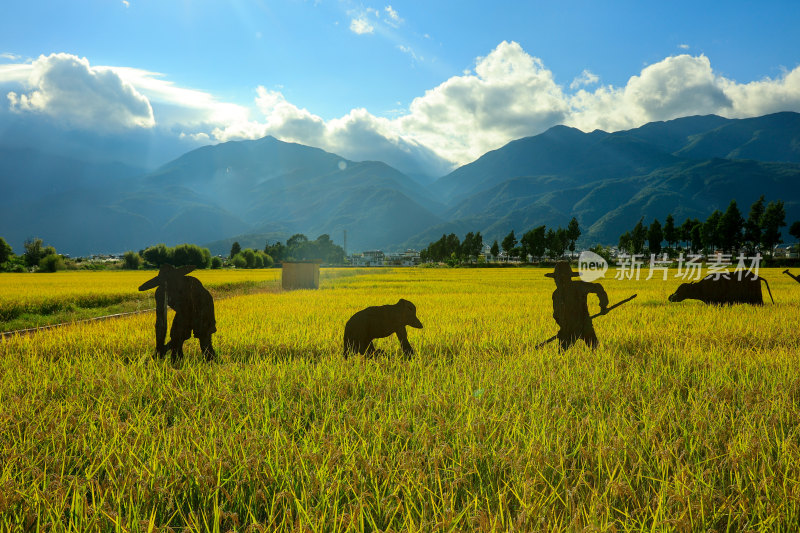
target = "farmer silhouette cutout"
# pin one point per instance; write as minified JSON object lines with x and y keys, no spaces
{"x":194,"y":311}
{"x":796,"y":278}
{"x":377,"y":322}
{"x":570,"y":309}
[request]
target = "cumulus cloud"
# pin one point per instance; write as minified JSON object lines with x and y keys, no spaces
{"x":67,"y":88}
{"x":506,"y":95}
{"x":764,"y":96}
{"x":510,"y":94}
{"x":359,"y":135}
{"x":361,"y":25}
{"x":674,"y":87}
{"x":586,"y":78}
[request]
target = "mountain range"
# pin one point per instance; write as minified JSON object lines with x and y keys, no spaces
{"x":266,"y":189}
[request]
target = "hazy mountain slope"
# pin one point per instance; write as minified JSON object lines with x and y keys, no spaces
{"x":65,"y":201}
{"x":688,"y":167}
{"x":560,"y":151}
{"x":773,"y":137}
{"x":247,"y":186}
{"x":607,"y":208}
{"x":672,"y":135}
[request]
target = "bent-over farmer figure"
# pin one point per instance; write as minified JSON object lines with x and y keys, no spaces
{"x":796,"y":278}
{"x":194,"y":311}
{"x":570,"y":309}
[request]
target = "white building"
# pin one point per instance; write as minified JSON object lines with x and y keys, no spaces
{"x":407,"y":258}
{"x":378,"y":258}
{"x":368,"y":258}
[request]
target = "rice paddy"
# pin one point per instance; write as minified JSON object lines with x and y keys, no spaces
{"x":685,"y":418}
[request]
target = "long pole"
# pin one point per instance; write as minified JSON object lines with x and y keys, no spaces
{"x":608,"y":309}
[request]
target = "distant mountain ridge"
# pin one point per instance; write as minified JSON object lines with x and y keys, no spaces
{"x":688,"y":167}
{"x":267,"y":187}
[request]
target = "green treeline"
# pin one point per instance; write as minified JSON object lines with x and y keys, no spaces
{"x":536,"y":243}
{"x":728,"y":231}
{"x":299,"y":248}
{"x":37,"y":256}
{"x":41,"y":258}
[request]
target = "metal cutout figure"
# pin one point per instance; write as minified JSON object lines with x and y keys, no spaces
{"x":570,"y":309}
{"x":194,"y":311}
{"x":723,"y":289}
{"x":377,"y":322}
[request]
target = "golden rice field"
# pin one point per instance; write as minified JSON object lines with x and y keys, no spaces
{"x":686,"y":418}
{"x":29,"y":301}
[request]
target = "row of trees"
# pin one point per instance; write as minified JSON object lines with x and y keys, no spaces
{"x":450,"y":248}
{"x":537,"y":243}
{"x":299,"y":248}
{"x":190,"y":254}
{"x":36,"y":256}
{"x":728,"y":231}
{"x":161,"y":254}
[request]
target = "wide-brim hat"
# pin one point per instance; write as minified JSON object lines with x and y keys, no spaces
{"x":166,"y":272}
{"x":562,"y":270}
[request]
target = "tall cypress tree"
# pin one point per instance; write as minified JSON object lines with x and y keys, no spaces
{"x":773,"y":219}
{"x":670,"y":231}
{"x":752,"y":228}
{"x":730,"y":228}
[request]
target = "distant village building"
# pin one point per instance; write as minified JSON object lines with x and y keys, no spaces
{"x":368,"y":258}
{"x":486,"y":253}
{"x":372,"y":258}
{"x":407,"y":258}
{"x":788,"y":252}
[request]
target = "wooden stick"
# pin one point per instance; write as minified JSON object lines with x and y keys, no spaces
{"x":554,"y":337}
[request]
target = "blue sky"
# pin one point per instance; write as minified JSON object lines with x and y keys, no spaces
{"x":438,"y":82}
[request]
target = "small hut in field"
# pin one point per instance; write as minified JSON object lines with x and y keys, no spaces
{"x":300,"y":275}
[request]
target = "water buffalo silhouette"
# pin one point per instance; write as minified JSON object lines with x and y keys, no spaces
{"x":194,"y":311}
{"x":728,"y":288}
{"x":377,"y":322}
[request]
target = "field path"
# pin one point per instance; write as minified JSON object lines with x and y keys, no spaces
{"x":29,"y":331}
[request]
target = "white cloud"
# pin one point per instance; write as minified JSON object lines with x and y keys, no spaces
{"x":586,"y":78}
{"x":393,"y":18}
{"x":179,"y":105}
{"x":674,"y":87}
{"x":358,"y":135}
{"x":764,"y":96}
{"x":16,"y":73}
{"x":507,"y":95}
{"x":683,"y":46}
{"x":66,"y":87}
{"x":126,"y":3}
{"x":510,"y":94}
{"x":410,"y":51}
{"x":9,"y":56}
{"x":360,"y":25}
